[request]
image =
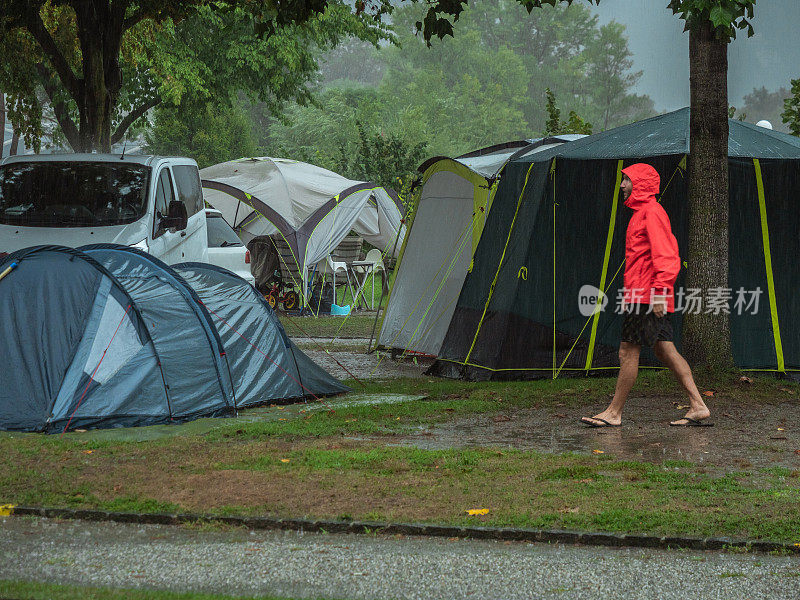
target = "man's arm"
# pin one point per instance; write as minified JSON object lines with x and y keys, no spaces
{"x":664,"y":254}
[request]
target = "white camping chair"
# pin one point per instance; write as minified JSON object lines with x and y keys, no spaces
{"x":332,"y":267}
{"x":363,"y":269}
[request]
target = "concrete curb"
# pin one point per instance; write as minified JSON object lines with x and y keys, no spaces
{"x":560,"y":536}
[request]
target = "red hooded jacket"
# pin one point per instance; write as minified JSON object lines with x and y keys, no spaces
{"x":652,"y":262}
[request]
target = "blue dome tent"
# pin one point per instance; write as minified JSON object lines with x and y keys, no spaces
{"x":108,"y":336}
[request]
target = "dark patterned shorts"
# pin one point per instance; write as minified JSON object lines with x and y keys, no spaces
{"x":645,"y":328}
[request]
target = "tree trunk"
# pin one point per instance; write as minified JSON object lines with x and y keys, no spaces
{"x":707,"y":336}
{"x":100,"y":34}
{"x":2,"y":123}
{"x":14,"y":143}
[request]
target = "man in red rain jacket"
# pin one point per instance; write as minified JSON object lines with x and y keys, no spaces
{"x":651,"y":265}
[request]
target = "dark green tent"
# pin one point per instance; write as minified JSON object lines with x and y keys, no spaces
{"x":558,"y":224}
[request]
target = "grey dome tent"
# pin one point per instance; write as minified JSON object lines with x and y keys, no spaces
{"x":260,"y":354}
{"x":108,"y":336}
{"x":455,"y":196}
{"x":558,"y":224}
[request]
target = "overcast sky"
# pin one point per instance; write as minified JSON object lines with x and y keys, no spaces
{"x":661,"y":49}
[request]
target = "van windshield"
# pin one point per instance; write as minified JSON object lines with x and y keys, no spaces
{"x":72,"y":194}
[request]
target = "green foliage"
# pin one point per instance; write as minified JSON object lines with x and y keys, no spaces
{"x":726,"y":16}
{"x":555,"y":125}
{"x":554,"y":122}
{"x":485,"y":86}
{"x":791,"y":112}
{"x":208,"y":132}
{"x":732,"y":114}
{"x":154,"y":52}
{"x":382,"y":159}
{"x":441,"y":15}
{"x":586,"y":66}
{"x":346,"y":131}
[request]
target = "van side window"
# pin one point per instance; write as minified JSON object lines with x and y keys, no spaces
{"x":187,"y":180}
{"x":163,"y":197}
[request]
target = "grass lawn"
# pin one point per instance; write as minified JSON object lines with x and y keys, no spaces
{"x":340,"y":464}
{"x":22,"y":590}
{"x":326,"y":326}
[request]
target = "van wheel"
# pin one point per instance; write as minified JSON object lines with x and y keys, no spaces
{"x":290,"y":300}
{"x":271,"y":300}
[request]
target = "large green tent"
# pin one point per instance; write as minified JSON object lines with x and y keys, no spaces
{"x":556,"y":232}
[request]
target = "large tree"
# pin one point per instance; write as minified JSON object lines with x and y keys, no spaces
{"x":102,"y":64}
{"x":712,"y":24}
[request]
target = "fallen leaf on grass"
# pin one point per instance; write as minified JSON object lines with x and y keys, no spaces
{"x":744,"y":379}
{"x":681,"y":406}
{"x":478,"y":511}
{"x":88,"y":451}
{"x":781,"y":429}
{"x":285,"y":460}
{"x":783,"y":389}
{"x":279,"y":407}
{"x":708,"y":393}
{"x":281,"y":419}
{"x":598,"y":451}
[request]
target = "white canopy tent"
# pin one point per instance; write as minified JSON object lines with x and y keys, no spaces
{"x":311,"y":208}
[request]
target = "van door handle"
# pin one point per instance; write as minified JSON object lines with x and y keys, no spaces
{"x":183,"y":234}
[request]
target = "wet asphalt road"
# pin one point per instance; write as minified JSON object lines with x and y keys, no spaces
{"x":297,"y":565}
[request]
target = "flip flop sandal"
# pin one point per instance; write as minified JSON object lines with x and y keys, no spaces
{"x":606,"y":423}
{"x":691,"y":423}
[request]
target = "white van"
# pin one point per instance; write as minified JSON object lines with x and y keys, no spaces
{"x":153,"y":203}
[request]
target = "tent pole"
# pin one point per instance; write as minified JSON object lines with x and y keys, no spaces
{"x":762,"y":209}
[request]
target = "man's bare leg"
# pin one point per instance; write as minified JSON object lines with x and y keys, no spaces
{"x":628,"y":371}
{"x":668,"y":354}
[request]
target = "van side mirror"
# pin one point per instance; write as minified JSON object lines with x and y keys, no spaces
{"x":177,"y":218}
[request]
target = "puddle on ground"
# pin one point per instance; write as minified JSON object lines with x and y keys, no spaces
{"x":355,"y":400}
{"x":737,"y":442}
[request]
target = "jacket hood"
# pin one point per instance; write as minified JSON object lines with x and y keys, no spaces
{"x":646,"y":184}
